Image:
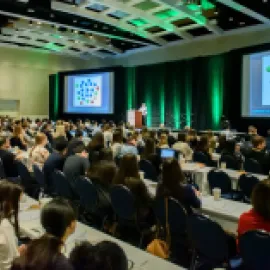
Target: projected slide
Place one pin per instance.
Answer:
(88, 91)
(256, 85)
(91, 93)
(266, 81)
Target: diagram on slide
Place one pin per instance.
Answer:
(87, 91)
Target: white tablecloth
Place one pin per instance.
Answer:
(30, 225)
(224, 212)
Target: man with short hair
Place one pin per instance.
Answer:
(76, 141)
(259, 153)
(55, 161)
(76, 165)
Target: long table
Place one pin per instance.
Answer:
(200, 175)
(225, 212)
(30, 226)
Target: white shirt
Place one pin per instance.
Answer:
(8, 245)
(184, 149)
(143, 109)
(108, 137)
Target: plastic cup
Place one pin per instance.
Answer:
(216, 193)
(141, 175)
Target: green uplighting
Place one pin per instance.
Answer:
(168, 13)
(51, 46)
(176, 105)
(162, 102)
(131, 87)
(206, 5)
(188, 101)
(56, 36)
(216, 73)
(138, 22)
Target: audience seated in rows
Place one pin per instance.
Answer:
(74, 142)
(96, 145)
(18, 140)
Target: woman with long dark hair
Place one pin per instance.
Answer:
(95, 146)
(10, 195)
(59, 222)
(173, 185)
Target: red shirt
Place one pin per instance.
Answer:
(252, 221)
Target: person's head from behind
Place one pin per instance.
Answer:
(260, 199)
(81, 151)
(41, 139)
(4, 143)
(106, 154)
(10, 195)
(105, 255)
(58, 219)
(60, 145)
(97, 141)
(79, 134)
(117, 137)
(172, 174)
(17, 131)
(182, 137)
(203, 144)
(149, 148)
(128, 168)
(258, 142)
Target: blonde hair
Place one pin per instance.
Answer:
(17, 131)
(40, 137)
(60, 131)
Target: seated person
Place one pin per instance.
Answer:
(59, 222)
(173, 185)
(76, 165)
(96, 145)
(183, 147)
(39, 154)
(203, 147)
(258, 218)
(258, 153)
(221, 143)
(163, 141)
(73, 143)
(104, 255)
(17, 140)
(108, 135)
(47, 131)
(230, 151)
(8, 159)
(117, 143)
(149, 153)
(55, 161)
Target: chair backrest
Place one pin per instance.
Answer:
(87, 192)
(219, 179)
(253, 166)
(177, 216)
(2, 170)
(246, 183)
(231, 163)
(123, 202)
(39, 175)
(148, 169)
(208, 238)
(254, 248)
(61, 185)
(24, 174)
(200, 157)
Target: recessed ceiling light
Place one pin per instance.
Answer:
(242, 23)
(75, 31)
(90, 36)
(75, 21)
(231, 19)
(265, 1)
(52, 16)
(76, 41)
(30, 10)
(39, 23)
(216, 12)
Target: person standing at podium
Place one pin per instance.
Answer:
(143, 110)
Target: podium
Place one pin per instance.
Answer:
(134, 117)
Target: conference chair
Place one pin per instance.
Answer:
(231, 162)
(200, 157)
(89, 202)
(148, 169)
(246, 183)
(254, 249)
(30, 185)
(219, 179)
(252, 166)
(177, 221)
(210, 248)
(39, 176)
(127, 220)
(2, 170)
(61, 185)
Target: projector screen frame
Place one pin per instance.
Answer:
(118, 87)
